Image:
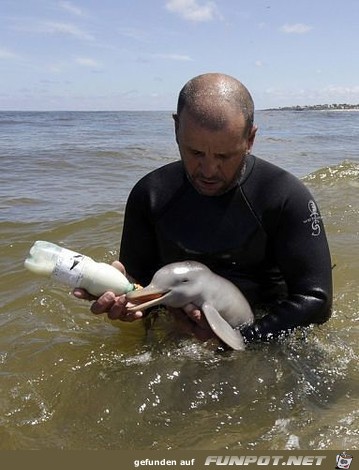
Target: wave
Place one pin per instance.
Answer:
(276, 139)
(346, 172)
(12, 201)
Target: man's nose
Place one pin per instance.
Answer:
(209, 166)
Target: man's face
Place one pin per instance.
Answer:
(213, 159)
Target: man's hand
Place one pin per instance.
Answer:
(192, 321)
(114, 305)
(189, 319)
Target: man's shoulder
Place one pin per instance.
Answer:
(269, 189)
(264, 168)
(271, 175)
(171, 170)
(160, 184)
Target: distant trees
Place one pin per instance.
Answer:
(319, 107)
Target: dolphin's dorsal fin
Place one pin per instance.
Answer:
(222, 328)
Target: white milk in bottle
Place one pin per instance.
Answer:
(76, 270)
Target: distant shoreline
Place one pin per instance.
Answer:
(318, 107)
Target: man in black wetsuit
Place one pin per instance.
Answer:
(246, 219)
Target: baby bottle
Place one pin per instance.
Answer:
(76, 270)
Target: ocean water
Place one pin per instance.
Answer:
(72, 380)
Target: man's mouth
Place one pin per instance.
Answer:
(208, 185)
(204, 181)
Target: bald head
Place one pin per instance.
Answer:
(213, 97)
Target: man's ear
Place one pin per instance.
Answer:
(251, 137)
(176, 120)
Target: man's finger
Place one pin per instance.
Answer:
(118, 265)
(103, 303)
(83, 294)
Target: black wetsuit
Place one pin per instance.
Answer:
(265, 235)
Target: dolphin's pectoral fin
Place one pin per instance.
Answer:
(222, 328)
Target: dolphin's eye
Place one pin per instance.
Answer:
(185, 280)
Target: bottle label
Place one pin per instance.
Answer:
(69, 268)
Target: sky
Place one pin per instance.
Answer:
(137, 54)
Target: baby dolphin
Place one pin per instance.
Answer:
(189, 282)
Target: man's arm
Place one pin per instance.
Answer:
(302, 253)
(137, 258)
(139, 251)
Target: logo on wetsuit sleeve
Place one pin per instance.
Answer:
(314, 218)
